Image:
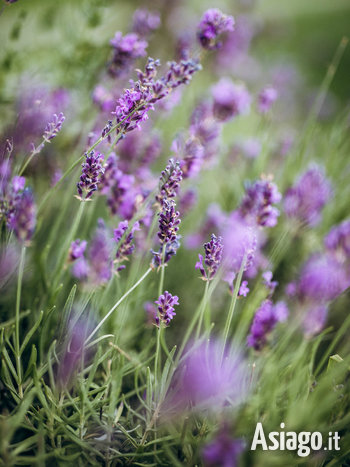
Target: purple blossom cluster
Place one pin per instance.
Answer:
(257, 204)
(166, 303)
(133, 106)
(77, 249)
(53, 127)
(212, 25)
(265, 320)
(337, 242)
(230, 100)
(124, 240)
(90, 178)
(305, 200)
(266, 99)
(223, 450)
(169, 181)
(126, 49)
(144, 22)
(213, 256)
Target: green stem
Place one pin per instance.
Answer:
(202, 309)
(233, 304)
(68, 241)
(157, 357)
(18, 304)
(117, 304)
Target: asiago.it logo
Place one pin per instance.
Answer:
(302, 442)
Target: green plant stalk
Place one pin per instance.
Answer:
(202, 309)
(18, 304)
(117, 304)
(69, 238)
(233, 304)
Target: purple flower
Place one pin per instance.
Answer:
(337, 241)
(125, 246)
(166, 303)
(81, 269)
(212, 25)
(267, 97)
(308, 196)
(268, 282)
(169, 181)
(144, 22)
(230, 100)
(244, 289)
(169, 221)
(265, 320)
(77, 249)
(256, 205)
(18, 183)
(53, 127)
(75, 355)
(126, 50)
(240, 242)
(103, 98)
(322, 279)
(314, 319)
(207, 381)
(223, 450)
(188, 200)
(91, 175)
(22, 218)
(100, 257)
(251, 148)
(213, 255)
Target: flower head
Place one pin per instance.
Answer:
(91, 175)
(169, 221)
(125, 246)
(265, 320)
(77, 249)
(212, 25)
(305, 200)
(144, 22)
(337, 241)
(126, 49)
(244, 289)
(266, 98)
(53, 127)
(166, 303)
(213, 255)
(223, 450)
(257, 204)
(230, 100)
(100, 256)
(22, 216)
(169, 181)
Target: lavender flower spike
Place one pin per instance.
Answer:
(223, 450)
(213, 256)
(22, 218)
(53, 127)
(91, 173)
(168, 223)
(166, 303)
(125, 51)
(230, 100)
(169, 181)
(77, 249)
(212, 25)
(266, 99)
(126, 247)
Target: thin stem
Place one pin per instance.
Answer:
(233, 304)
(157, 356)
(117, 304)
(68, 240)
(18, 304)
(33, 153)
(202, 309)
(162, 271)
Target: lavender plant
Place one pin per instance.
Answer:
(100, 363)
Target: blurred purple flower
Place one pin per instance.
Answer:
(244, 289)
(223, 450)
(212, 25)
(100, 256)
(169, 181)
(265, 319)
(22, 217)
(322, 279)
(77, 249)
(308, 196)
(266, 98)
(269, 283)
(103, 98)
(240, 242)
(256, 205)
(337, 241)
(230, 100)
(144, 22)
(205, 380)
(75, 355)
(314, 319)
(166, 303)
(81, 269)
(126, 49)
(188, 200)
(125, 247)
